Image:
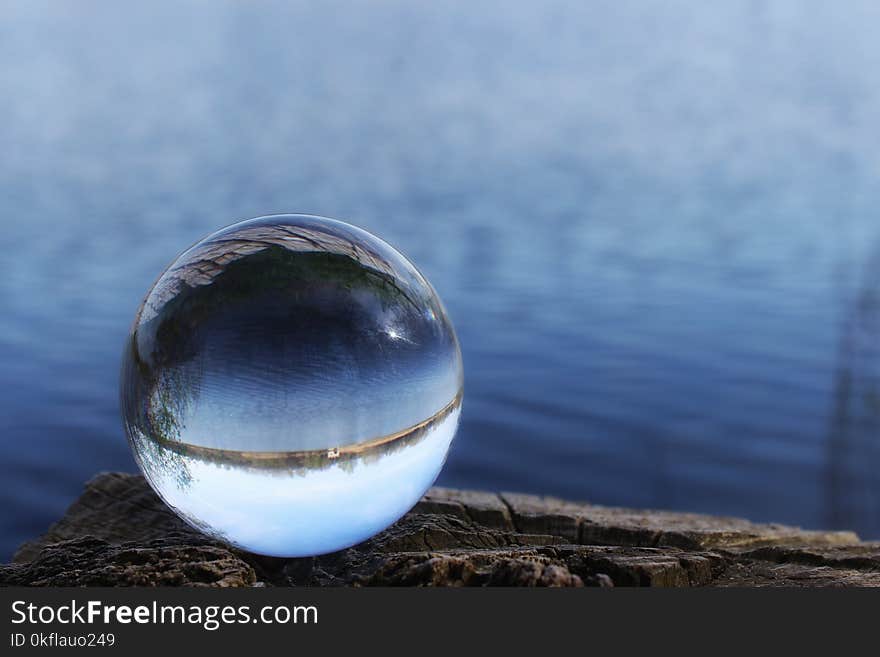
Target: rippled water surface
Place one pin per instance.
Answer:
(654, 225)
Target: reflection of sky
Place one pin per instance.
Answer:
(321, 511)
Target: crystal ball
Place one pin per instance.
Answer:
(291, 385)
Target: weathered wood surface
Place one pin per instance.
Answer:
(119, 533)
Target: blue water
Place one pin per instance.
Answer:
(655, 226)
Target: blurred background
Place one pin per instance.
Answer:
(654, 224)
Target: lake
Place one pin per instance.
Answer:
(654, 225)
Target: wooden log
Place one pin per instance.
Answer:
(120, 533)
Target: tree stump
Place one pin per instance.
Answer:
(119, 533)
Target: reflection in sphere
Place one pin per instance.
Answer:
(291, 385)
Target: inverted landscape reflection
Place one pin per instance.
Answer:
(291, 385)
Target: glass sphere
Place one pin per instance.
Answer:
(291, 385)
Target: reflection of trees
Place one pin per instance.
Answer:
(854, 432)
(251, 267)
(300, 234)
(153, 404)
(159, 462)
(155, 396)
